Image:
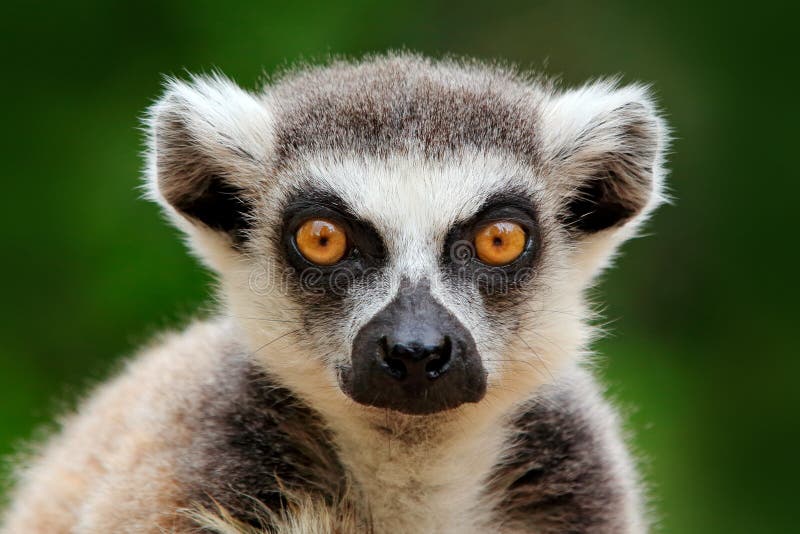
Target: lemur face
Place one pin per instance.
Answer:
(408, 235)
(409, 275)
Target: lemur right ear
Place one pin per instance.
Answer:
(604, 146)
(208, 142)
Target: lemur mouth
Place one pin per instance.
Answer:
(414, 357)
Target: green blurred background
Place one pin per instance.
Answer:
(704, 312)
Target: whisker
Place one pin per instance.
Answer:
(265, 345)
(544, 362)
(265, 319)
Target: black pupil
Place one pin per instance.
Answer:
(323, 241)
(497, 241)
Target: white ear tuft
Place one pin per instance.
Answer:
(209, 141)
(605, 147)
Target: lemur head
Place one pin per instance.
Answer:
(408, 234)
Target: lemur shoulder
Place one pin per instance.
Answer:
(403, 248)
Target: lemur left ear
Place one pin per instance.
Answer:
(208, 142)
(604, 145)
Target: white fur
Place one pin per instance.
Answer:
(413, 201)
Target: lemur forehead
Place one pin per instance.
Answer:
(409, 194)
(402, 104)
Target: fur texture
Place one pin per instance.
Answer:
(241, 424)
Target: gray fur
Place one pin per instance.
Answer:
(559, 474)
(245, 417)
(402, 103)
(256, 442)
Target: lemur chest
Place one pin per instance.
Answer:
(413, 505)
(422, 487)
(262, 445)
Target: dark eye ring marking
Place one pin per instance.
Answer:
(364, 249)
(462, 260)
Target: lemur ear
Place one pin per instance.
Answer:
(605, 147)
(208, 142)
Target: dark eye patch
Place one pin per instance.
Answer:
(366, 248)
(459, 258)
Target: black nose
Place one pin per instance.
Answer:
(414, 360)
(414, 356)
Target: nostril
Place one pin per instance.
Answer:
(439, 361)
(414, 360)
(394, 367)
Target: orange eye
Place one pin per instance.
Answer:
(321, 241)
(500, 243)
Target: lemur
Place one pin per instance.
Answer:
(403, 247)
